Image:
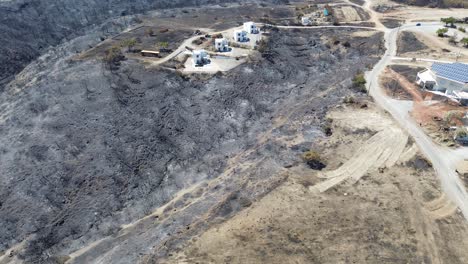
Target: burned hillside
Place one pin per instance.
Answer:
(87, 149)
(31, 28)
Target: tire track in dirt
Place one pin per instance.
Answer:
(383, 149)
(441, 207)
(408, 154)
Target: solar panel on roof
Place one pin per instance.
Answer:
(453, 71)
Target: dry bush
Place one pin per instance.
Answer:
(113, 56)
(453, 116)
(313, 159)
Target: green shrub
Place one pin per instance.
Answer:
(449, 20)
(359, 83)
(163, 44)
(441, 32)
(462, 29)
(464, 41)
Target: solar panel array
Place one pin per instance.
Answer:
(453, 71)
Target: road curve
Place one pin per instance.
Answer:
(175, 53)
(443, 159)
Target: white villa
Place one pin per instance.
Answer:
(240, 36)
(221, 44)
(448, 79)
(200, 57)
(250, 28)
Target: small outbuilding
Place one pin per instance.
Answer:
(240, 36)
(250, 28)
(221, 44)
(150, 53)
(200, 57)
(306, 21)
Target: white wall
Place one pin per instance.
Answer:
(450, 85)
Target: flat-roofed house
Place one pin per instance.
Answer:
(250, 28)
(200, 57)
(240, 36)
(221, 44)
(451, 79)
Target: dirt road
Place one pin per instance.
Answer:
(421, 59)
(317, 27)
(178, 51)
(444, 160)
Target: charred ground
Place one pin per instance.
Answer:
(87, 149)
(30, 28)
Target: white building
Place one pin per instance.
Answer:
(221, 44)
(240, 36)
(250, 28)
(306, 21)
(200, 57)
(449, 79)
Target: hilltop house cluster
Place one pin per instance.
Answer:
(241, 35)
(446, 79)
(201, 57)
